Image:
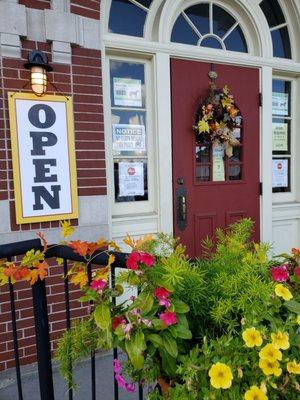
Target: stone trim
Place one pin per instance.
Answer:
(58, 26)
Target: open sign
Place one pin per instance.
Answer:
(44, 165)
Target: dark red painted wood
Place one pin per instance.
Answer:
(211, 205)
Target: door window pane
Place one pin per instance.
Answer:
(198, 26)
(129, 130)
(199, 15)
(236, 41)
(222, 21)
(183, 33)
(281, 135)
(211, 42)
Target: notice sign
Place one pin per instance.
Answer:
(280, 136)
(218, 162)
(131, 179)
(129, 137)
(43, 151)
(280, 103)
(280, 173)
(127, 92)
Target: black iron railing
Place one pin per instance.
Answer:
(40, 311)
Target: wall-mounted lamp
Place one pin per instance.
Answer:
(38, 65)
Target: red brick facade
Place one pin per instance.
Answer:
(83, 81)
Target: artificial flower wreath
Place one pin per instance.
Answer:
(216, 119)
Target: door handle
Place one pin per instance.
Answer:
(181, 208)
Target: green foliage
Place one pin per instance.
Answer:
(75, 344)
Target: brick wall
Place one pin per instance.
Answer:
(83, 81)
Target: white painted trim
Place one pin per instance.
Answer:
(266, 155)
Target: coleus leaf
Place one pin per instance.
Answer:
(135, 348)
(102, 316)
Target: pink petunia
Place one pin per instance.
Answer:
(147, 259)
(117, 366)
(130, 387)
(121, 381)
(132, 261)
(164, 302)
(98, 284)
(279, 273)
(297, 271)
(168, 318)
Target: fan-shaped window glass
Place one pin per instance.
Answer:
(278, 28)
(211, 26)
(128, 17)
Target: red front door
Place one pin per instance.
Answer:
(204, 199)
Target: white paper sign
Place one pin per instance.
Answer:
(280, 103)
(280, 173)
(43, 158)
(131, 179)
(218, 162)
(129, 137)
(280, 136)
(127, 92)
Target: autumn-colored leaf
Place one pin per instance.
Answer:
(203, 126)
(140, 242)
(43, 240)
(129, 241)
(32, 258)
(102, 273)
(15, 273)
(92, 247)
(111, 259)
(59, 261)
(79, 247)
(114, 246)
(3, 277)
(80, 278)
(102, 243)
(66, 229)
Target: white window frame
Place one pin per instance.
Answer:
(125, 209)
(287, 197)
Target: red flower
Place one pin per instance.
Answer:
(280, 273)
(98, 284)
(147, 259)
(118, 320)
(161, 293)
(168, 318)
(132, 261)
(297, 271)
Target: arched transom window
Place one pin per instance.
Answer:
(208, 25)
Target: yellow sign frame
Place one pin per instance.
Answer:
(20, 218)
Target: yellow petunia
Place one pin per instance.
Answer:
(298, 319)
(270, 353)
(66, 229)
(220, 376)
(252, 337)
(293, 367)
(280, 340)
(282, 291)
(270, 367)
(254, 393)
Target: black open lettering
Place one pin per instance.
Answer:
(40, 140)
(40, 192)
(34, 116)
(41, 170)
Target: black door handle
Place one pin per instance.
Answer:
(181, 208)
